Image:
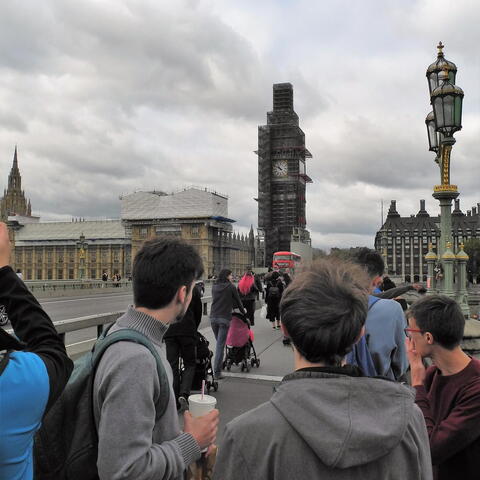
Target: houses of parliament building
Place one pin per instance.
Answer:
(86, 249)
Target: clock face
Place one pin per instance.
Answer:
(280, 168)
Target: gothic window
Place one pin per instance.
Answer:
(71, 274)
(39, 274)
(60, 274)
(49, 274)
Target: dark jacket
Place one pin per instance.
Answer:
(328, 425)
(188, 325)
(394, 292)
(251, 295)
(274, 283)
(32, 380)
(224, 299)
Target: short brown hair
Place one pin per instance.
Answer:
(324, 310)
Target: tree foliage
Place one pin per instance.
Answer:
(344, 253)
(472, 249)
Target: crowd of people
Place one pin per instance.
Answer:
(345, 411)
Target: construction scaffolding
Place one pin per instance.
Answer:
(282, 176)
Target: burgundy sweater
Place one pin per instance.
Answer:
(451, 407)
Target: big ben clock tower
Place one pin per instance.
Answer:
(282, 176)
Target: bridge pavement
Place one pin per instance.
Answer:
(242, 391)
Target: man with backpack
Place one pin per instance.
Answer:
(273, 296)
(133, 443)
(384, 338)
(34, 369)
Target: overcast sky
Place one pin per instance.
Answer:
(105, 97)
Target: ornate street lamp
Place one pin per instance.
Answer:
(441, 64)
(82, 246)
(445, 119)
(447, 101)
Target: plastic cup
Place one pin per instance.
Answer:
(199, 406)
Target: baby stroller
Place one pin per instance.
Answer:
(203, 370)
(239, 347)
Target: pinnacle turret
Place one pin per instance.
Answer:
(14, 201)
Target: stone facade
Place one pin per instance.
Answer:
(85, 249)
(70, 250)
(14, 201)
(403, 241)
(195, 215)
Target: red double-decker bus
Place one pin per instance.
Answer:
(286, 261)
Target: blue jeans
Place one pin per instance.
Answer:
(220, 329)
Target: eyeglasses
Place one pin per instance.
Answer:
(410, 330)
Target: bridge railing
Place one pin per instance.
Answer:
(69, 325)
(99, 320)
(60, 286)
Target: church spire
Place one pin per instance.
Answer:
(15, 179)
(14, 201)
(15, 160)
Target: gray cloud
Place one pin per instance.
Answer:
(107, 97)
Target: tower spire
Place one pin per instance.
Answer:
(15, 159)
(14, 201)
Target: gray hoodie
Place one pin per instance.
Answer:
(328, 426)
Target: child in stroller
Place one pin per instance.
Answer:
(239, 347)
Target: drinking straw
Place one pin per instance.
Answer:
(203, 388)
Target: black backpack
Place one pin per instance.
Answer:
(66, 446)
(273, 291)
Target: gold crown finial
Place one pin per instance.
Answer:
(440, 47)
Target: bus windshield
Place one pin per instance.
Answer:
(283, 257)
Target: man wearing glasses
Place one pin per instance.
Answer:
(448, 393)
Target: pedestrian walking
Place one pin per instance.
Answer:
(224, 299)
(248, 295)
(273, 296)
(385, 337)
(180, 340)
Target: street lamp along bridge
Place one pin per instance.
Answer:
(446, 269)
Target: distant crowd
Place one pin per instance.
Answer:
(378, 389)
